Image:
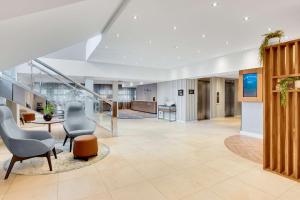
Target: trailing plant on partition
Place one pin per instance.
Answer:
(277, 34)
(284, 86)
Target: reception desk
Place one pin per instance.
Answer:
(144, 106)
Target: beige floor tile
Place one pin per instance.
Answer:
(81, 187)
(140, 191)
(32, 182)
(229, 166)
(117, 178)
(291, 194)
(176, 186)
(233, 189)
(85, 171)
(111, 162)
(99, 196)
(202, 195)
(180, 164)
(268, 182)
(45, 192)
(5, 184)
(139, 157)
(154, 169)
(206, 176)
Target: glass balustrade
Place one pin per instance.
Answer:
(59, 89)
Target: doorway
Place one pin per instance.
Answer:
(203, 99)
(229, 98)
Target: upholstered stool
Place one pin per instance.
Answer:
(85, 146)
(28, 117)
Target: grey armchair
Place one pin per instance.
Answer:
(24, 144)
(76, 122)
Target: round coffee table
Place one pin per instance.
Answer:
(52, 121)
(49, 123)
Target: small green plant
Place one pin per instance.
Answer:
(49, 109)
(277, 34)
(284, 87)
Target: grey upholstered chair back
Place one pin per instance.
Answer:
(20, 142)
(75, 117)
(9, 130)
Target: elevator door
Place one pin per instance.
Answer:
(229, 98)
(203, 100)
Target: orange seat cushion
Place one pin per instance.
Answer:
(28, 117)
(85, 146)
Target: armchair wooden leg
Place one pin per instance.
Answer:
(11, 164)
(71, 143)
(48, 155)
(65, 140)
(54, 153)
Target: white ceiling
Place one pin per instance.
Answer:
(193, 18)
(15, 8)
(39, 33)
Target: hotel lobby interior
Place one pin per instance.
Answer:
(149, 100)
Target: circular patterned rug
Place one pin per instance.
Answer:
(246, 147)
(64, 162)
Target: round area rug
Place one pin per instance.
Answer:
(246, 147)
(64, 162)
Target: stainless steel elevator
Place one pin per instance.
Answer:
(203, 99)
(229, 98)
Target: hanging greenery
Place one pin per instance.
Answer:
(277, 34)
(284, 87)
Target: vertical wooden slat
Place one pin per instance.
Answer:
(279, 61)
(288, 136)
(272, 133)
(266, 138)
(297, 58)
(275, 61)
(280, 142)
(282, 60)
(287, 60)
(297, 137)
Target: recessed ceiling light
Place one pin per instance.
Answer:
(198, 51)
(269, 29)
(203, 36)
(117, 35)
(246, 18)
(176, 47)
(135, 17)
(106, 47)
(174, 28)
(214, 4)
(227, 43)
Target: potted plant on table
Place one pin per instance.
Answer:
(48, 112)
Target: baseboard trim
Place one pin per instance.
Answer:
(251, 134)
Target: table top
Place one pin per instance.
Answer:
(52, 121)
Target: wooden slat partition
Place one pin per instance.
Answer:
(282, 124)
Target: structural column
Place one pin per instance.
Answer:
(89, 103)
(115, 90)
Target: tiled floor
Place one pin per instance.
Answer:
(159, 160)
